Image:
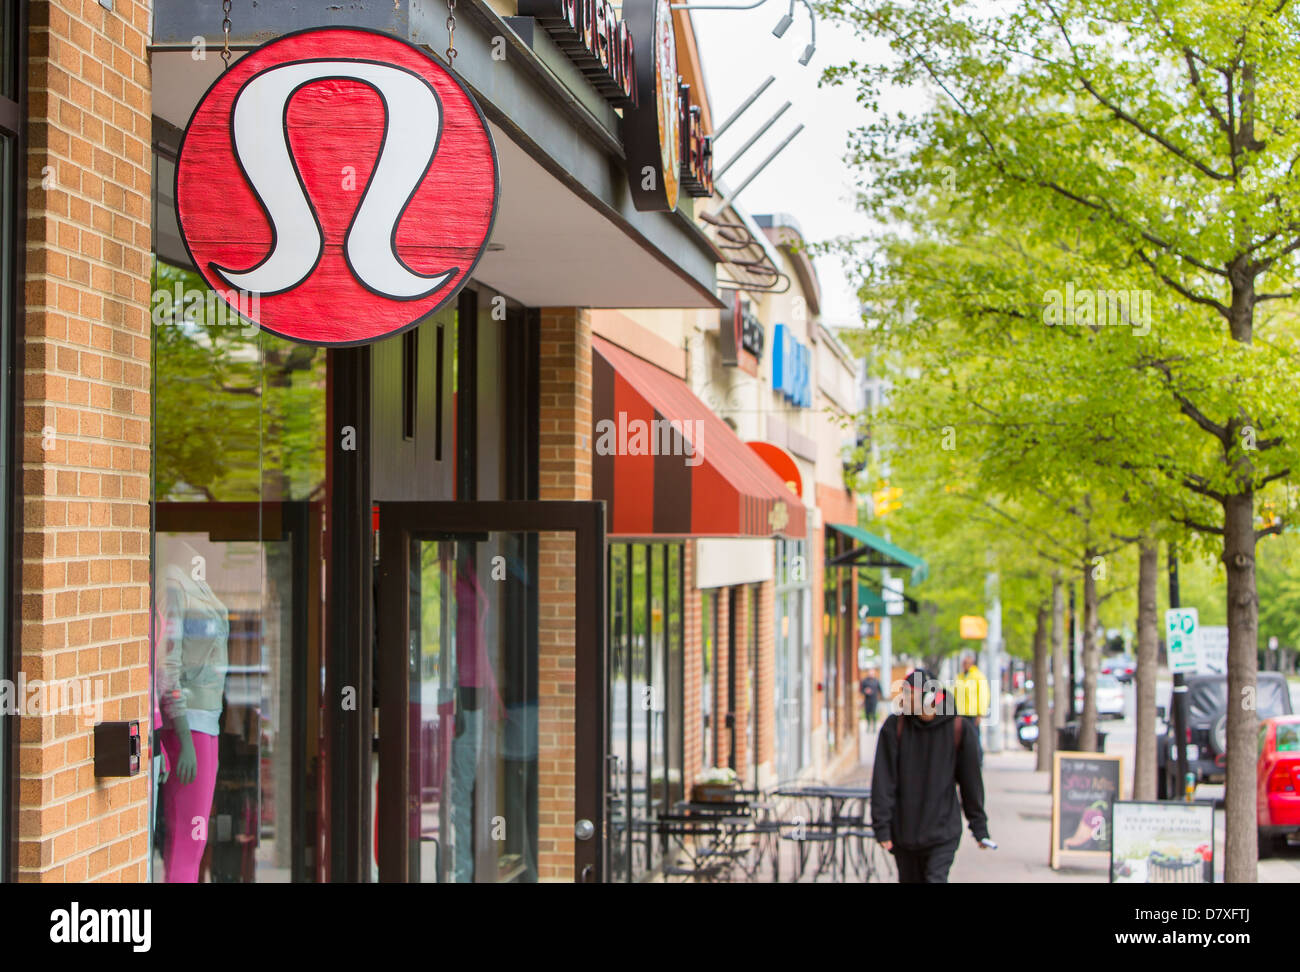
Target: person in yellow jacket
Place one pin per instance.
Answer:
(972, 692)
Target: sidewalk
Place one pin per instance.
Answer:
(1019, 807)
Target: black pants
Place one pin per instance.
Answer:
(925, 865)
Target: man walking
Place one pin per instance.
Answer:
(870, 689)
(972, 690)
(923, 756)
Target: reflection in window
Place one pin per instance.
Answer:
(239, 479)
(708, 645)
(646, 670)
(791, 680)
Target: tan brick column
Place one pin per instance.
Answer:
(766, 677)
(740, 661)
(86, 437)
(564, 458)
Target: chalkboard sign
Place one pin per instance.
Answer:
(1085, 787)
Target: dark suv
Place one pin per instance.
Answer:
(1207, 717)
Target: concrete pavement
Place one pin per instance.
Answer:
(1018, 801)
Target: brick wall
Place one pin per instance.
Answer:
(86, 437)
(740, 661)
(765, 676)
(564, 460)
(766, 682)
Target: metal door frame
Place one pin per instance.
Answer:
(402, 522)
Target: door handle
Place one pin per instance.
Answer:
(585, 876)
(584, 829)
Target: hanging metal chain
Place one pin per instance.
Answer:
(451, 31)
(225, 29)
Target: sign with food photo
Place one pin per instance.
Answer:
(1162, 843)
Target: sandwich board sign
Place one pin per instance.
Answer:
(1084, 788)
(1181, 640)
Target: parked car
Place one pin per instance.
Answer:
(1121, 666)
(1026, 720)
(1278, 776)
(1207, 724)
(1110, 697)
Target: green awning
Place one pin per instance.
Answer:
(872, 601)
(874, 551)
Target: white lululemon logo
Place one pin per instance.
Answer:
(413, 124)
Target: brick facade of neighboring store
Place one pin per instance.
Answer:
(85, 446)
(564, 465)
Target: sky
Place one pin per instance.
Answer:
(809, 179)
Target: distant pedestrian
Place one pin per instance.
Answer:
(870, 689)
(972, 691)
(923, 756)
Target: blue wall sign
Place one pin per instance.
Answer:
(791, 368)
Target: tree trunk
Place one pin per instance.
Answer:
(1060, 665)
(1144, 763)
(1243, 617)
(1041, 697)
(1088, 719)
(1060, 671)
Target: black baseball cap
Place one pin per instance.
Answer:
(919, 678)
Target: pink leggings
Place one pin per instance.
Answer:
(187, 807)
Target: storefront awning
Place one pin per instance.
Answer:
(668, 466)
(874, 602)
(872, 551)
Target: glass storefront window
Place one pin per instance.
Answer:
(674, 726)
(708, 650)
(751, 687)
(474, 711)
(655, 691)
(239, 480)
(792, 684)
(833, 634)
(639, 703)
(620, 835)
(645, 704)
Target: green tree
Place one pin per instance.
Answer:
(1165, 134)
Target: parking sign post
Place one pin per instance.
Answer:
(1180, 648)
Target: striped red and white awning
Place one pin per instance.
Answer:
(666, 465)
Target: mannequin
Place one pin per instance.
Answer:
(191, 675)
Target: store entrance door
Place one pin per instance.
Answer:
(491, 689)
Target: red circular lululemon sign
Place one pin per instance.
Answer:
(336, 186)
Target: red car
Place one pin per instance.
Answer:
(1278, 782)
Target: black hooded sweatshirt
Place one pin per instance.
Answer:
(915, 779)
